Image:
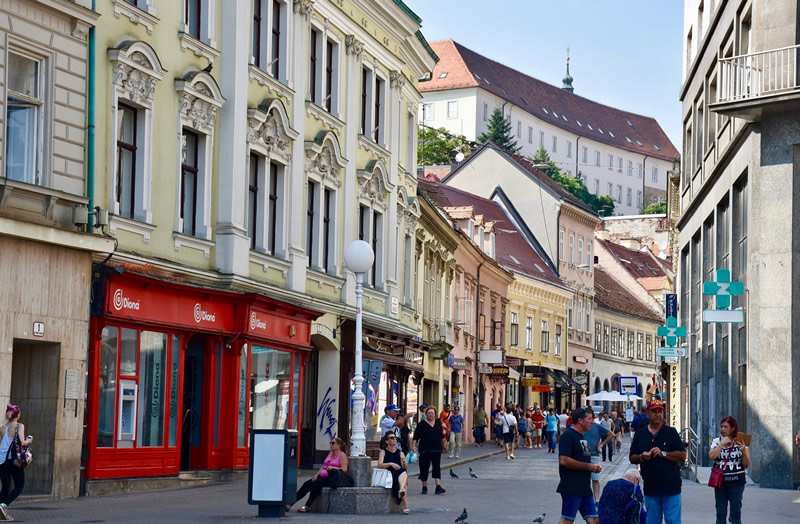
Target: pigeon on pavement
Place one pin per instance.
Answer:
(463, 517)
(453, 475)
(472, 474)
(540, 518)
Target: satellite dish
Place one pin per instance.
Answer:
(459, 156)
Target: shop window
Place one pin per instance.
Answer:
(152, 360)
(108, 387)
(271, 388)
(241, 438)
(174, 376)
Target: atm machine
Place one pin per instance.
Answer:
(126, 430)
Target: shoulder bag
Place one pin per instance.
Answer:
(381, 478)
(715, 480)
(21, 455)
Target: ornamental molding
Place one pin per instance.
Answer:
(396, 79)
(268, 129)
(198, 101)
(354, 46)
(303, 7)
(373, 183)
(135, 71)
(324, 159)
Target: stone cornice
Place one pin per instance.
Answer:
(575, 213)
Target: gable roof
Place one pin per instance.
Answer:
(512, 251)
(615, 127)
(610, 294)
(640, 264)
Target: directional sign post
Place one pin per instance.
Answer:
(671, 351)
(722, 288)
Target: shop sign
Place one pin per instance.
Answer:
(581, 378)
(513, 362)
(413, 355)
(527, 381)
(674, 395)
(267, 325)
(484, 369)
(500, 371)
(459, 363)
(581, 360)
(490, 356)
(450, 359)
(541, 389)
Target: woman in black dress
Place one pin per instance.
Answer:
(394, 460)
(428, 443)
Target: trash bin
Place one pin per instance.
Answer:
(273, 470)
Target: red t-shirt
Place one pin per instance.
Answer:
(537, 418)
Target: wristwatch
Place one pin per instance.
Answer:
(663, 453)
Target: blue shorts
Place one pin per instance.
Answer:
(508, 438)
(570, 504)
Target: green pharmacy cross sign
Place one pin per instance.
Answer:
(671, 331)
(722, 288)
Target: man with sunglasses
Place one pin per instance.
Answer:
(659, 450)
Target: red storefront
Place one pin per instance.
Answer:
(178, 374)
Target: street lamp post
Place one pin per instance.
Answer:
(358, 257)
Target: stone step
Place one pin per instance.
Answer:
(356, 501)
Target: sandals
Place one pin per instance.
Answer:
(303, 509)
(406, 511)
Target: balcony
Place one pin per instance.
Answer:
(752, 83)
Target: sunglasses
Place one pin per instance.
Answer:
(332, 443)
(391, 438)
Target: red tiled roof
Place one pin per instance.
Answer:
(466, 68)
(610, 294)
(512, 251)
(639, 264)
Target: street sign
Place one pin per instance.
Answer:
(671, 352)
(484, 369)
(672, 305)
(672, 360)
(628, 385)
(722, 288)
(672, 331)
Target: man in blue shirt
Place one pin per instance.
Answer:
(597, 437)
(456, 427)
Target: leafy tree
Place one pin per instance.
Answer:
(656, 208)
(434, 146)
(603, 205)
(499, 132)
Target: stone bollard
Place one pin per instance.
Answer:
(360, 468)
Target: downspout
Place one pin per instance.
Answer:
(90, 127)
(477, 335)
(644, 177)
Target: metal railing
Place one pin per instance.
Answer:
(693, 447)
(758, 74)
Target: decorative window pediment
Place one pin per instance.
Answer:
(373, 183)
(324, 157)
(200, 97)
(269, 130)
(135, 72)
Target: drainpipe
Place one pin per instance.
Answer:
(644, 177)
(477, 327)
(90, 128)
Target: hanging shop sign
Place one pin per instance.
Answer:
(527, 381)
(413, 355)
(484, 369)
(491, 356)
(541, 389)
(513, 362)
(500, 371)
(459, 363)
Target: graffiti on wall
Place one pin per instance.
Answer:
(326, 414)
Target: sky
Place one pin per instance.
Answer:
(623, 53)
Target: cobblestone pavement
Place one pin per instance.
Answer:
(506, 491)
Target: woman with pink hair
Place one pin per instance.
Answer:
(8, 470)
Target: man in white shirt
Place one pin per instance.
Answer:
(509, 433)
(562, 424)
(391, 422)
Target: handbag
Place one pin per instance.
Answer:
(412, 457)
(21, 455)
(381, 478)
(339, 479)
(715, 480)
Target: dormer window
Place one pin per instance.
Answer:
(490, 245)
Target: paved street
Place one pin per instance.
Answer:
(506, 491)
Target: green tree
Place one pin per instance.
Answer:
(656, 208)
(499, 132)
(434, 146)
(603, 205)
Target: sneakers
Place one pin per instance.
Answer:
(449, 456)
(513, 457)
(406, 511)
(508, 458)
(439, 490)
(4, 513)
(424, 490)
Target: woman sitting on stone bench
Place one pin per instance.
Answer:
(328, 476)
(394, 460)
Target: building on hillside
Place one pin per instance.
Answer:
(618, 153)
(246, 146)
(45, 246)
(563, 225)
(645, 275)
(626, 338)
(739, 203)
(479, 375)
(638, 231)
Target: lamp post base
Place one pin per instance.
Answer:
(360, 468)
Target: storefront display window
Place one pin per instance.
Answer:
(108, 387)
(296, 386)
(175, 359)
(242, 434)
(152, 360)
(127, 360)
(270, 386)
(217, 395)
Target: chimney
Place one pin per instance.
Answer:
(602, 234)
(631, 243)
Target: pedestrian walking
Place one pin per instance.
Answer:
(659, 451)
(509, 423)
(444, 417)
(456, 432)
(480, 427)
(551, 428)
(498, 424)
(597, 436)
(619, 430)
(732, 456)
(524, 431)
(391, 458)
(12, 430)
(636, 422)
(575, 468)
(325, 478)
(428, 443)
(608, 449)
(562, 424)
(538, 421)
(622, 501)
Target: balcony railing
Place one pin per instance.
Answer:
(759, 74)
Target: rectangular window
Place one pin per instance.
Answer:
(555, 144)
(628, 197)
(588, 316)
(619, 194)
(639, 170)
(174, 380)
(597, 158)
(106, 422)
(427, 111)
(610, 190)
(611, 162)
(485, 112)
(541, 138)
(271, 380)
(379, 124)
(189, 182)
(331, 76)
(619, 165)
(529, 333)
(569, 149)
(275, 52)
(312, 65)
(24, 106)
(596, 186)
(580, 251)
(545, 347)
(571, 248)
(655, 175)
(127, 137)
(569, 314)
(639, 199)
(639, 345)
(152, 363)
(452, 109)
(311, 208)
(561, 244)
(589, 259)
(241, 435)
(365, 84)
(631, 342)
(585, 157)
(630, 168)
(256, 44)
(598, 339)
(327, 229)
(649, 347)
(613, 341)
(376, 234)
(193, 15)
(557, 341)
(579, 316)
(606, 338)
(530, 135)
(274, 203)
(514, 330)
(519, 129)
(253, 198)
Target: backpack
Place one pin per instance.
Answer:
(633, 511)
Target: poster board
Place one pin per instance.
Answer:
(267, 469)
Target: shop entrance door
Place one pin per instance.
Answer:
(194, 420)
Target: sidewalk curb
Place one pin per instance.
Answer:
(464, 461)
